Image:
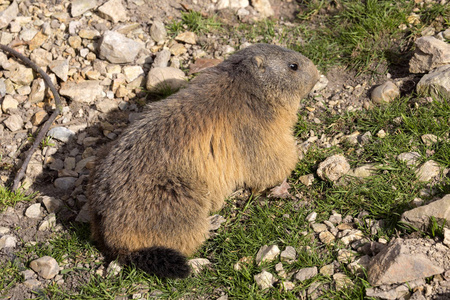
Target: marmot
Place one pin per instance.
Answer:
(232, 127)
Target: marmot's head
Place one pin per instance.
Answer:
(274, 73)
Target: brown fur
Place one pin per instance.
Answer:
(232, 127)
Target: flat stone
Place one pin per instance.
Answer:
(162, 59)
(341, 281)
(113, 10)
(311, 217)
(436, 83)
(8, 241)
(446, 237)
(89, 34)
(289, 254)
(264, 280)
(13, 123)
(9, 14)
(420, 216)
(39, 117)
(132, 72)
(165, 78)
(307, 179)
(215, 221)
(326, 237)
(429, 139)
(62, 134)
(430, 53)
(9, 103)
(354, 235)
(65, 183)
(363, 171)
(178, 49)
(306, 273)
(327, 270)
(428, 171)
(187, 37)
(32, 283)
(263, 7)
(267, 254)
(319, 227)
(33, 211)
(46, 266)
(84, 215)
(385, 93)
(198, 264)
(21, 75)
(52, 205)
(106, 105)
(410, 158)
(117, 48)
(60, 68)
(395, 264)
(79, 7)
(333, 168)
(49, 222)
(158, 31)
(85, 91)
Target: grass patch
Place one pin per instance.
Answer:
(194, 21)
(9, 198)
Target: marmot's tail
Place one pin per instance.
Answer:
(160, 261)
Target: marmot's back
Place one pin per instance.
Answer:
(230, 128)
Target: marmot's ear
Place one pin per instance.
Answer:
(258, 61)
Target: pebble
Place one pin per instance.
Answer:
(8, 241)
(311, 217)
(13, 122)
(410, 158)
(162, 59)
(158, 31)
(60, 68)
(65, 183)
(114, 11)
(62, 134)
(436, 83)
(333, 168)
(117, 48)
(85, 91)
(187, 37)
(428, 171)
(306, 273)
(267, 254)
(114, 268)
(198, 264)
(79, 7)
(264, 280)
(384, 93)
(33, 211)
(289, 254)
(9, 103)
(46, 267)
(165, 77)
(9, 14)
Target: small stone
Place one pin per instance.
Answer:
(333, 168)
(84, 215)
(420, 216)
(37, 91)
(132, 72)
(165, 78)
(198, 264)
(32, 283)
(8, 241)
(114, 11)
(9, 14)
(215, 221)
(158, 31)
(178, 49)
(381, 134)
(446, 237)
(65, 183)
(49, 222)
(74, 41)
(28, 274)
(264, 280)
(307, 179)
(79, 7)
(410, 158)
(162, 59)
(243, 261)
(430, 53)
(386, 92)
(288, 285)
(187, 37)
(46, 266)
(354, 235)
(311, 217)
(263, 7)
(106, 105)
(342, 281)
(62, 134)
(363, 171)
(321, 84)
(21, 75)
(359, 266)
(114, 268)
(117, 48)
(306, 273)
(428, 171)
(326, 237)
(88, 34)
(345, 255)
(33, 211)
(319, 227)
(84, 91)
(39, 117)
(267, 254)
(327, 270)
(289, 254)
(429, 139)
(52, 205)
(9, 103)
(436, 83)
(13, 123)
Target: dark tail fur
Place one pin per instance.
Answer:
(160, 261)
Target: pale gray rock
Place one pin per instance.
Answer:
(13, 122)
(85, 91)
(410, 158)
(318, 227)
(9, 103)
(384, 93)
(167, 77)
(132, 72)
(398, 292)
(21, 74)
(335, 218)
(363, 171)
(32, 284)
(333, 168)
(158, 31)
(359, 266)
(430, 53)
(264, 280)
(187, 37)
(46, 266)
(37, 93)
(117, 48)
(62, 134)
(311, 217)
(289, 254)
(327, 270)
(60, 68)
(8, 241)
(267, 254)
(420, 216)
(41, 57)
(4, 230)
(114, 268)
(428, 171)
(288, 285)
(215, 221)
(436, 83)
(263, 7)
(395, 264)
(198, 264)
(113, 10)
(79, 7)
(321, 84)
(28, 34)
(326, 237)
(82, 163)
(342, 281)
(28, 274)
(162, 59)
(446, 237)
(429, 139)
(9, 14)
(33, 211)
(306, 273)
(307, 179)
(49, 222)
(353, 235)
(106, 105)
(221, 4)
(65, 183)
(51, 204)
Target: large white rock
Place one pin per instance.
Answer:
(117, 48)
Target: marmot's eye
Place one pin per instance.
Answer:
(293, 67)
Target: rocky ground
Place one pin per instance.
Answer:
(106, 55)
